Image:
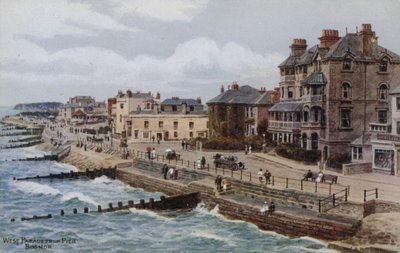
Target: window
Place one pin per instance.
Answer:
(148, 106)
(191, 125)
(191, 108)
(120, 118)
(174, 108)
(283, 92)
(398, 103)
(191, 134)
(175, 125)
(382, 117)
(347, 65)
(345, 118)
(357, 153)
(136, 134)
(304, 69)
(121, 106)
(176, 134)
(382, 92)
(346, 91)
(290, 94)
(146, 124)
(314, 141)
(160, 124)
(145, 135)
(383, 65)
(398, 127)
(305, 114)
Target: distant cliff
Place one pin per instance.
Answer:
(44, 106)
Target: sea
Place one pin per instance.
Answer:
(199, 230)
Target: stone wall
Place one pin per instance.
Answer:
(324, 227)
(357, 168)
(380, 206)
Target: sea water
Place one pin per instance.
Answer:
(133, 230)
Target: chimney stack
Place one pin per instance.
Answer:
(222, 88)
(262, 90)
(328, 38)
(158, 96)
(198, 100)
(235, 86)
(129, 93)
(184, 108)
(368, 40)
(298, 47)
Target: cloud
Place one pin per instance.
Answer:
(171, 10)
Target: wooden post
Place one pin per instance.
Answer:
(334, 199)
(301, 184)
(365, 195)
(162, 198)
(316, 187)
(151, 203)
(130, 203)
(142, 204)
(273, 180)
(241, 174)
(376, 193)
(345, 195)
(287, 182)
(119, 205)
(319, 205)
(62, 212)
(330, 188)
(250, 177)
(348, 190)
(110, 206)
(75, 211)
(208, 167)
(86, 210)
(99, 208)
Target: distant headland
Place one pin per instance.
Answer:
(42, 106)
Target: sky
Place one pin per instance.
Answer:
(51, 50)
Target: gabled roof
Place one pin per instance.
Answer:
(289, 62)
(243, 95)
(315, 79)
(179, 101)
(79, 113)
(308, 56)
(350, 43)
(287, 107)
(265, 98)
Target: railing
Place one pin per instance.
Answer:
(287, 78)
(335, 199)
(284, 124)
(275, 181)
(388, 137)
(378, 127)
(372, 192)
(312, 124)
(312, 98)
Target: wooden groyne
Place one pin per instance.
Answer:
(182, 202)
(22, 145)
(109, 172)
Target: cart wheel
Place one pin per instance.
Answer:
(234, 167)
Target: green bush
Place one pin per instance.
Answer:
(295, 152)
(336, 161)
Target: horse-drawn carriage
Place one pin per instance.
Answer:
(228, 162)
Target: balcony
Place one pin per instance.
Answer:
(286, 125)
(313, 124)
(379, 127)
(312, 98)
(388, 137)
(287, 78)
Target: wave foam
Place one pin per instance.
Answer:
(102, 180)
(78, 195)
(211, 236)
(36, 188)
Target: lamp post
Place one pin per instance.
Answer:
(264, 145)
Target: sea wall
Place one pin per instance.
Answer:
(327, 227)
(357, 168)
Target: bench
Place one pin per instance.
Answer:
(325, 178)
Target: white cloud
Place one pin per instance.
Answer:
(171, 10)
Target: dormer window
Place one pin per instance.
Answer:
(383, 65)
(346, 65)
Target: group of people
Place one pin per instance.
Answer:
(264, 175)
(169, 172)
(267, 209)
(247, 149)
(221, 183)
(185, 145)
(310, 174)
(151, 153)
(154, 138)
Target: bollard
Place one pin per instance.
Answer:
(163, 202)
(75, 211)
(316, 187)
(287, 182)
(130, 203)
(110, 206)
(301, 184)
(119, 205)
(99, 208)
(49, 216)
(333, 199)
(86, 210)
(151, 203)
(62, 212)
(142, 204)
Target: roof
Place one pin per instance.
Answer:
(350, 44)
(289, 62)
(308, 56)
(243, 95)
(265, 98)
(395, 90)
(167, 113)
(315, 79)
(287, 107)
(79, 113)
(179, 101)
